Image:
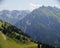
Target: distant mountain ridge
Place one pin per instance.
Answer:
(42, 25)
(13, 16)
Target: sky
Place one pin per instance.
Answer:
(26, 4)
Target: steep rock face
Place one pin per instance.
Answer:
(13, 16)
(42, 25)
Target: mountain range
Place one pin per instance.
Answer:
(13, 16)
(42, 25)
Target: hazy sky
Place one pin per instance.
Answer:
(26, 4)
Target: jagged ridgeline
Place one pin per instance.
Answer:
(12, 37)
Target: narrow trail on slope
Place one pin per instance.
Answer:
(4, 37)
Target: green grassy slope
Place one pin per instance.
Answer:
(11, 42)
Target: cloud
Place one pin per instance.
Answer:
(58, 1)
(1, 1)
(33, 6)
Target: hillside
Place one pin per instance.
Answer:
(9, 37)
(10, 43)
